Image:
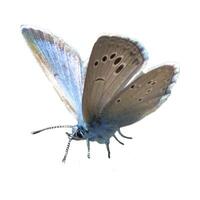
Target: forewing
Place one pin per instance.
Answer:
(141, 97)
(61, 64)
(113, 62)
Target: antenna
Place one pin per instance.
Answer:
(52, 127)
(88, 147)
(68, 145)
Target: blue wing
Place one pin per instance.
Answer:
(62, 66)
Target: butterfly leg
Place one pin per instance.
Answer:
(123, 135)
(118, 140)
(68, 134)
(108, 149)
(88, 147)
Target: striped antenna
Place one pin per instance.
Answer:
(52, 127)
(68, 145)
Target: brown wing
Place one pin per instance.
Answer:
(141, 97)
(112, 63)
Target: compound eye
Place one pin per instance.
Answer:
(79, 135)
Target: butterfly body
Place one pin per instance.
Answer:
(101, 131)
(109, 95)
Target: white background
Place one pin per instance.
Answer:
(161, 162)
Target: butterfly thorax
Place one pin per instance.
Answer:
(100, 131)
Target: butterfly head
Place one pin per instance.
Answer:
(78, 133)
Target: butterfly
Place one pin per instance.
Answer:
(111, 93)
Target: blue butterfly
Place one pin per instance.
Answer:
(106, 97)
